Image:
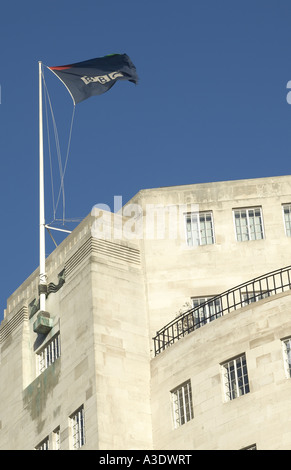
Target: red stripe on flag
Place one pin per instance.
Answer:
(61, 67)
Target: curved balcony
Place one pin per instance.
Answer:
(254, 290)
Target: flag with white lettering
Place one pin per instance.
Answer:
(95, 76)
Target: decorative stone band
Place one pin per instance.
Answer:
(115, 251)
(7, 327)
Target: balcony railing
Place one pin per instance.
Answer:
(261, 287)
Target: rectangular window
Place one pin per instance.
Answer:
(56, 439)
(49, 353)
(235, 375)
(199, 227)
(182, 404)
(248, 224)
(252, 296)
(287, 219)
(43, 445)
(78, 428)
(208, 312)
(287, 356)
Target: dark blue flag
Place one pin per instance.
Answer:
(95, 76)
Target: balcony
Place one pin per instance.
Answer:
(259, 288)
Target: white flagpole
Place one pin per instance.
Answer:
(42, 273)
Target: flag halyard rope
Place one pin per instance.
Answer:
(62, 168)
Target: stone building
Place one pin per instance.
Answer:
(167, 326)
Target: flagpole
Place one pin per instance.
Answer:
(42, 273)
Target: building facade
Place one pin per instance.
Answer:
(167, 326)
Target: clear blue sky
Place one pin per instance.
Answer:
(210, 105)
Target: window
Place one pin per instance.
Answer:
(235, 375)
(287, 356)
(199, 227)
(208, 312)
(56, 439)
(182, 404)
(43, 445)
(252, 296)
(287, 218)
(248, 224)
(49, 353)
(251, 447)
(78, 428)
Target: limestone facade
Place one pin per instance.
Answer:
(90, 378)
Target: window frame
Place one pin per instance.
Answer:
(207, 316)
(231, 378)
(77, 425)
(284, 219)
(191, 241)
(247, 209)
(251, 447)
(56, 438)
(44, 444)
(181, 398)
(250, 297)
(287, 356)
(49, 353)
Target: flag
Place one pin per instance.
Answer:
(95, 76)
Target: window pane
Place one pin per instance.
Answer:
(287, 219)
(287, 356)
(241, 225)
(56, 439)
(182, 404)
(195, 230)
(199, 228)
(44, 445)
(207, 312)
(248, 224)
(253, 296)
(78, 428)
(236, 378)
(49, 353)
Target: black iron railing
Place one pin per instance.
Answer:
(272, 283)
